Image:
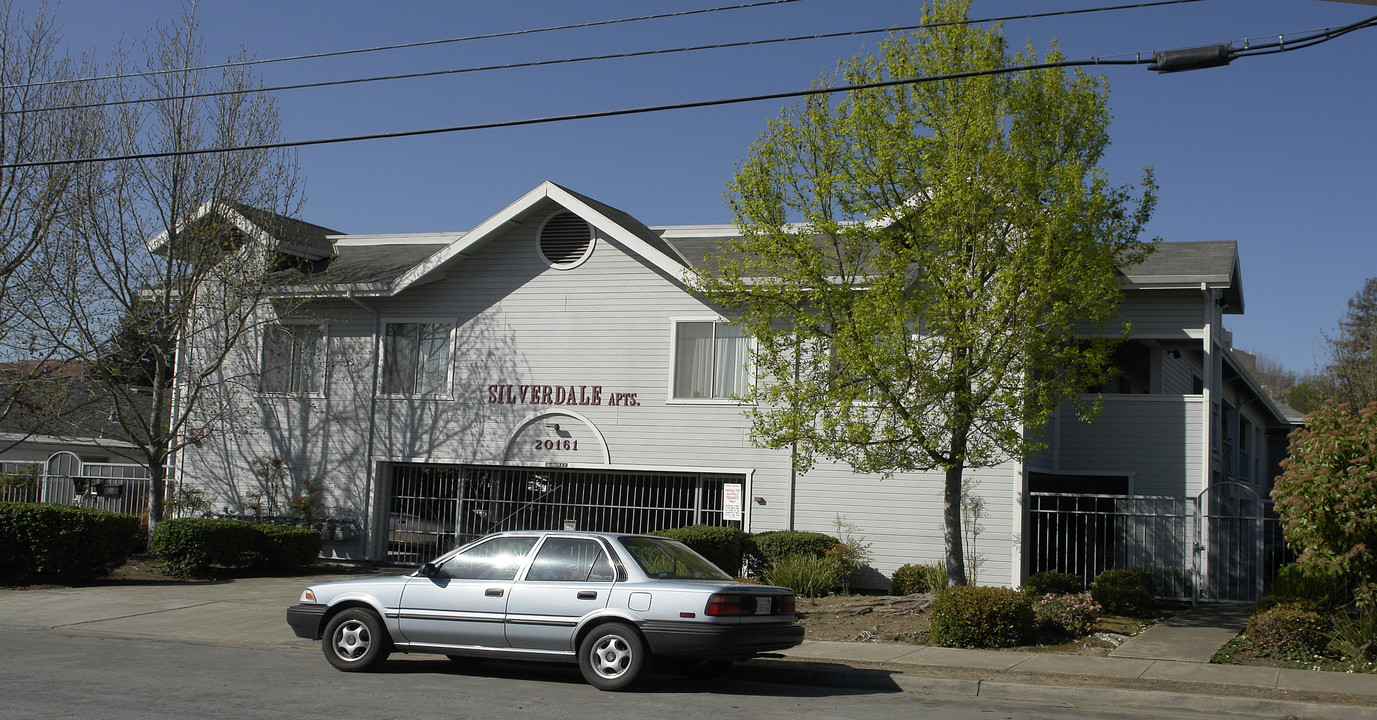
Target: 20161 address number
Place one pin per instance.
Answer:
(557, 444)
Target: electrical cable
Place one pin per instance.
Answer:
(401, 46)
(1026, 16)
(1309, 41)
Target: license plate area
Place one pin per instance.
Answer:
(762, 606)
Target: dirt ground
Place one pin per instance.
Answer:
(904, 619)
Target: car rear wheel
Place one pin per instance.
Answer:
(613, 657)
(355, 641)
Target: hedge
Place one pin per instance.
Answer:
(721, 545)
(45, 542)
(1125, 591)
(193, 546)
(761, 550)
(981, 617)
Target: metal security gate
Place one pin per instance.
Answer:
(432, 508)
(1223, 545)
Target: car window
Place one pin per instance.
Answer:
(563, 559)
(496, 559)
(669, 559)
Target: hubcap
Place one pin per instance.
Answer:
(611, 656)
(351, 640)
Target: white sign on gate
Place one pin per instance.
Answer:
(731, 501)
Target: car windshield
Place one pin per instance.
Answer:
(670, 560)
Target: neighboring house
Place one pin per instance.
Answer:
(60, 442)
(550, 368)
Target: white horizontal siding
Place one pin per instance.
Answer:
(1154, 439)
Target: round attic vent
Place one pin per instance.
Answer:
(566, 240)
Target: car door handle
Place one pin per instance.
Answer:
(493, 592)
(588, 594)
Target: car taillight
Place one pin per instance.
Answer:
(719, 605)
(786, 606)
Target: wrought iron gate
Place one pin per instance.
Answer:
(432, 508)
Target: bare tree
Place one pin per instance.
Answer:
(159, 247)
(42, 116)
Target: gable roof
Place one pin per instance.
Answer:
(1191, 264)
(284, 234)
(385, 265)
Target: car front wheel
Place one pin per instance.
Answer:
(355, 641)
(613, 657)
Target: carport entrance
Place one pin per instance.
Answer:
(431, 508)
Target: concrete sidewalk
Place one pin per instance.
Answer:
(1166, 666)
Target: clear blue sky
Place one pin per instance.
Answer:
(1275, 152)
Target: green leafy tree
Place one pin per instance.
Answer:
(1327, 490)
(928, 269)
(1353, 352)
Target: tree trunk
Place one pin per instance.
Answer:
(951, 517)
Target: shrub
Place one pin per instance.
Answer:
(285, 547)
(1124, 591)
(1271, 600)
(62, 543)
(763, 549)
(1285, 632)
(981, 617)
(1074, 613)
(1325, 493)
(1054, 582)
(1354, 634)
(907, 580)
(191, 546)
(721, 545)
(936, 575)
(806, 575)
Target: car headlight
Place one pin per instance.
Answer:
(307, 596)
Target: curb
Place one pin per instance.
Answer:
(786, 672)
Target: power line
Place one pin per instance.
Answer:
(590, 58)
(402, 46)
(1138, 59)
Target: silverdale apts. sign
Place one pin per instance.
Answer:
(558, 395)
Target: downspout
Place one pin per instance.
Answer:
(372, 426)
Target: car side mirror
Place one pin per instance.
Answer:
(429, 569)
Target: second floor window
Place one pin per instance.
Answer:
(293, 359)
(416, 359)
(709, 361)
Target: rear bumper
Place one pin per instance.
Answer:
(731, 642)
(305, 620)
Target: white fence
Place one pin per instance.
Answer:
(1224, 545)
(66, 480)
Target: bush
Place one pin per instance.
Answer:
(721, 545)
(909, 579)
(44, 542)
(1325, 494)
(1054, 582)
(1355, 634)
(981, 617)
(806, 575)
(191, 546)
(1073, 614)
(1285, 632)
(763, 549)
(1272, 600)
(936, 576)
(288, 546)
(1124, 591)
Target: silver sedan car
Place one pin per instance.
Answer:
(608, 601)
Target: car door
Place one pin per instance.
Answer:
(569, 578)
(463, 603)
